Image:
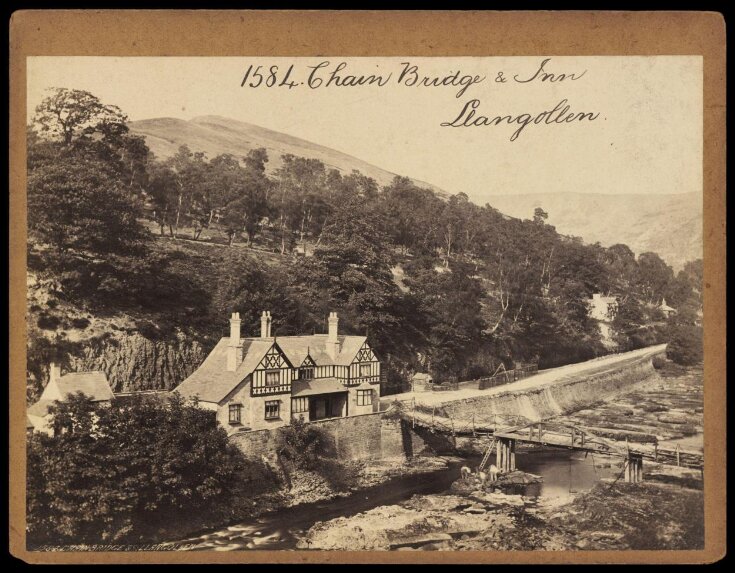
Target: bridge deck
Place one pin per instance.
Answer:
(545, 434)
(583, 441)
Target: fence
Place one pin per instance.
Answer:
(507, 376)
(488, 382)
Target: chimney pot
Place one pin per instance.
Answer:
(265, 324)
(333, 346)
(234, 349)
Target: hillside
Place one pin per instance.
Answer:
(670, 225)
(215, 135)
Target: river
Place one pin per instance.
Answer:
(564, 473)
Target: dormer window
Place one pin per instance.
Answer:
(306, 373)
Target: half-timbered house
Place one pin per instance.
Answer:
(267, 381)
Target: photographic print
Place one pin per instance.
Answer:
(371, 304)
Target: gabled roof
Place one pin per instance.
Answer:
(296, 348)
(93, 384)
(40, 408)
(211, 382)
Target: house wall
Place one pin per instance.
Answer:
(352, 438)
(241, 395)
(355, 410)
(257, 411)
(41, 424)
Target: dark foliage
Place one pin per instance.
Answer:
(138, 470)
(439, 284)
(301, 444)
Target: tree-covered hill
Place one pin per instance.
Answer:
(167, 248)
(216, 135)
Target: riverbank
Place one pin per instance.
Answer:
(274, 518)
(663, 512)
(609, 517)
(320, 509)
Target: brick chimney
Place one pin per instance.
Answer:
(265, 324)
(333, 346)
(234, 349)
(54, 372)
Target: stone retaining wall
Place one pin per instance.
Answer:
(552, 400)
(351, 438)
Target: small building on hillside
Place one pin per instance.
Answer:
(603, 307)
(420, 382)
(93, 384)
(666, 309)
(254, 383)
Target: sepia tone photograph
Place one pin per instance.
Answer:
(364, 304)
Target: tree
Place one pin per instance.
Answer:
(539, 216)
(81, 204)
(414, 215)
(449, 310)
(685, 345)
(67, 114)
(654, 276)
(248, 196)
(163, 189)
(627, 324)
(132, 471)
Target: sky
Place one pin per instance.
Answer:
(646, 137)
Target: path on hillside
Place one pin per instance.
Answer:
(543, 378)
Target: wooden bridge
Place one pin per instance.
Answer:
(507, 431)
(576, 438)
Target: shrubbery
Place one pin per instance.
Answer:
(686, 346)
(301, 444)
(141, 469)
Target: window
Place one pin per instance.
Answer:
(272, 377)
(299, 405)
(306, 373)
(366, 370)
(364, 397)
(235, 413)
(272, 409)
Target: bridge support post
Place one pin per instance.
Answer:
(634, 469)
(506, 455)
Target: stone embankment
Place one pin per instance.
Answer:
(548, 394)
